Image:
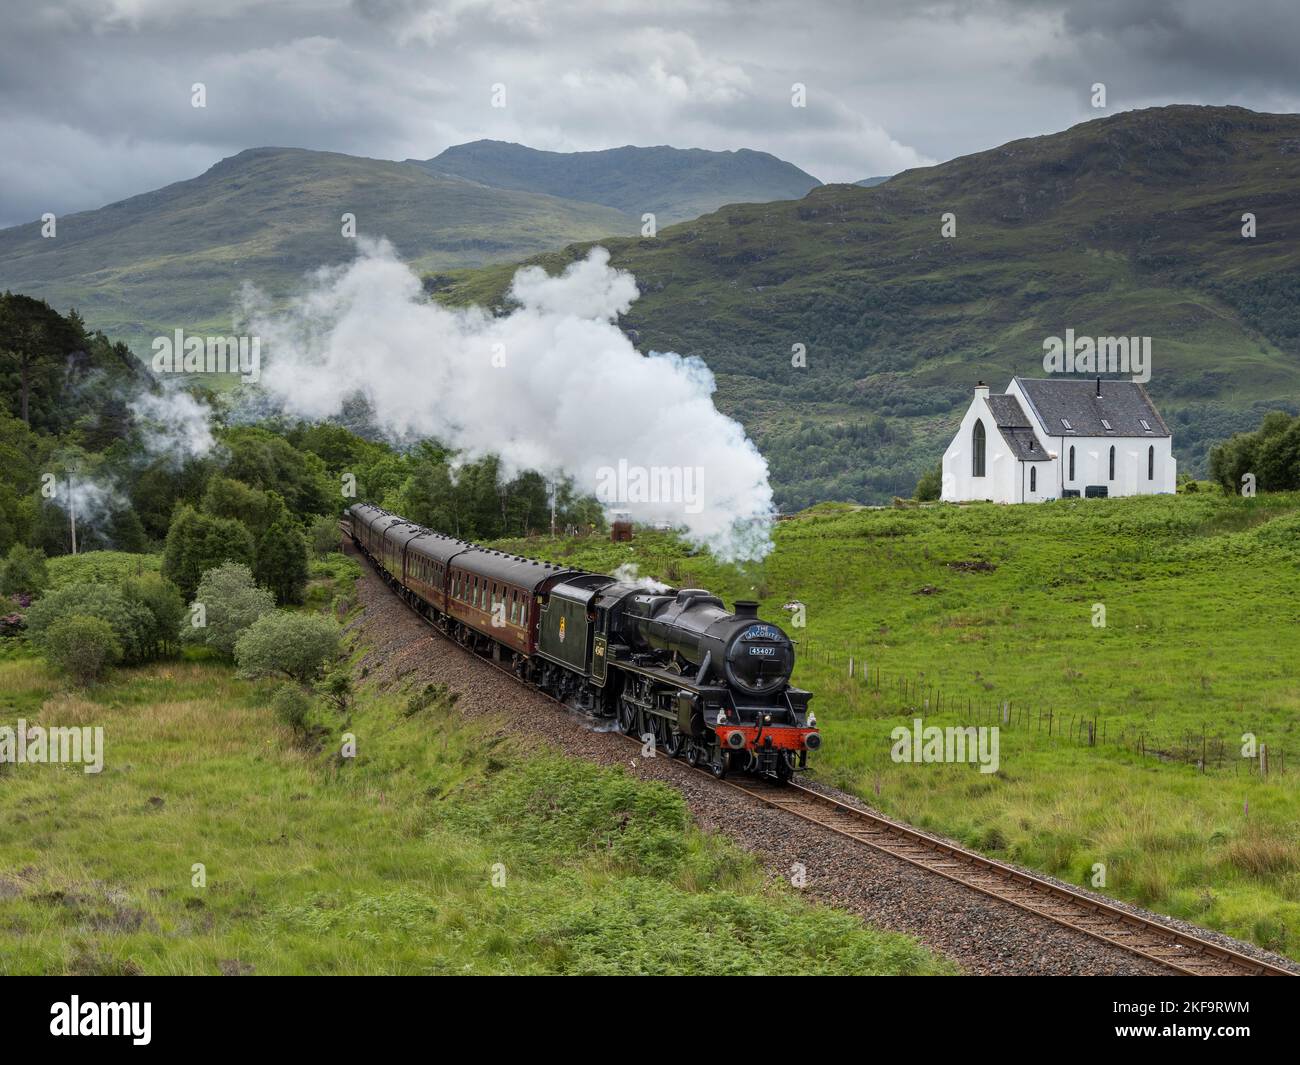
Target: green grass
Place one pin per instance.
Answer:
(1202, 595)
(100, 567)
(379, 864)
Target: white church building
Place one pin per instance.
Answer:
(1058, 438)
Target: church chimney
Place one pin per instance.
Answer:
(982, 390)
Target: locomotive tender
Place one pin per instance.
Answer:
(710, 685)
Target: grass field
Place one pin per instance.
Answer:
(997, 604)
(385, 863)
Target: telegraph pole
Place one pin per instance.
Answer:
(72, 513)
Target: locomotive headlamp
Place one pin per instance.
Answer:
(767, 719)
(812, 719)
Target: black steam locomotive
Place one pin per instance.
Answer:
(709, 685)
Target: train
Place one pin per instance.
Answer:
(707, 684)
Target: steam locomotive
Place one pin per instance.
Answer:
(709, 685)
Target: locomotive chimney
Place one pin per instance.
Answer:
(746, 608)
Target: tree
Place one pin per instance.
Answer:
(82, 646)
(294, 645)
(1271, 454)
(198, 542)
(231, 601)
(227, 498)
(282, 562)
(930, 486)
(325, 536)
(24, 570)
(261, 459)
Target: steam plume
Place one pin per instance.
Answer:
(553, 385)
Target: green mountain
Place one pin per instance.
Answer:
(872, 182)
(1126, 225)
(672, 183)
(178, 256)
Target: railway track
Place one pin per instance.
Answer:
(1179, 951)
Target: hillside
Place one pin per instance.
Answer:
(178, 256)
(1129, 224)
(673, 183)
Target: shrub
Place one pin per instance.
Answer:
(198, 542)
(131, 622)
(163, 601)
(82, 646)
(282, 562)
(336, 688)
(294, 645)
(231, 601)
(24, 571)
(291, 706)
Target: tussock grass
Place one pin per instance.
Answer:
(384, 864)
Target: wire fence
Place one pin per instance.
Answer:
(858, 681)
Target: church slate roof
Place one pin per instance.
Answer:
(1124, 405)
(1016, 430)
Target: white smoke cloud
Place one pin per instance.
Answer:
(630, 573)
(553, 385)
(173, 424)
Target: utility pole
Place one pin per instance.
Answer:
(552, 510)
(72, 513)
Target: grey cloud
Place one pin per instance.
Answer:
(94, 94)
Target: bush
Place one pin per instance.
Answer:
(24, 571)
(291, 706)
(131, 622)
(282, 562)
(232, 601)
(82, 646)
(197, 543)
(163, 601)
(294, 645)
(336, 689)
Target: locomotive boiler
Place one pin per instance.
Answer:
(673, 666)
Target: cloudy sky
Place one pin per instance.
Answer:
(95, 95)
